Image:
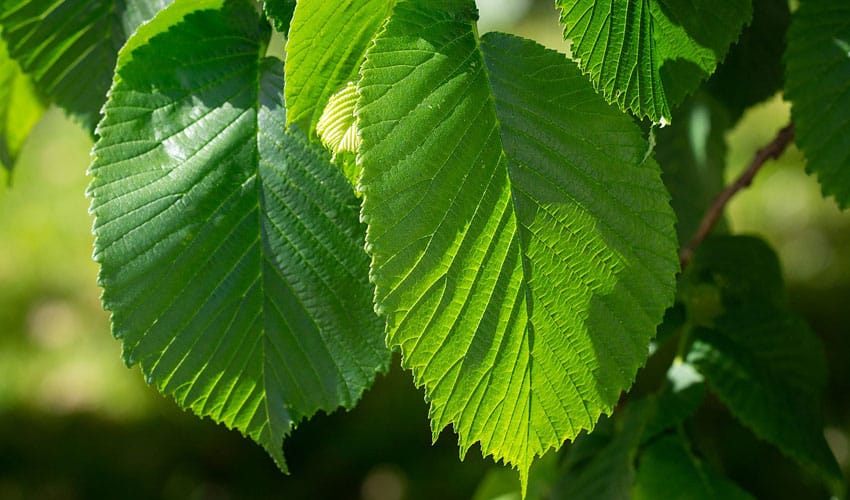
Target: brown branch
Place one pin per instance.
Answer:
(773, 150)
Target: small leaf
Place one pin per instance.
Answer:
(647, 55)
(337, 129)
(21, 107)
(230, 250)
(818, 85)
(522, 249)
(326, 45)
(667, 469)
(69, 47)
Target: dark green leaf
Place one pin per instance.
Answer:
(818, 86)
(667, 469)
(753, 69)
(762, 360)
(230, 250)
(69, 47)
(609, 472)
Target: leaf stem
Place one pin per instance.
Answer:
(773, 150)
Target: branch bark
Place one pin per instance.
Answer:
(773, 150)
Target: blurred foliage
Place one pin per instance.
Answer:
(75, 423)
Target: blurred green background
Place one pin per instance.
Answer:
(76, 424)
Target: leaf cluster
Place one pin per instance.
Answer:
(507, 218)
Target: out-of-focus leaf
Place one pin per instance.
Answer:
(817, 83)
(667, 469)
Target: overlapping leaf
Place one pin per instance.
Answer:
(230, 250)
(647, 55)
(523, 246)
(326, 45)
(70, 46)
(818, 85)
(20, 108)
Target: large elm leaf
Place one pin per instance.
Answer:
(21, 107)
(522, 242)
(70, 46)
(325, 48)
(231, 251)
(647, 55)
(818, 85)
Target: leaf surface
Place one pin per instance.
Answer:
(647, 55)
(21, 107)
(70, 46)
(231, 251)
(522, 249)
(324, 51)
(818, 85)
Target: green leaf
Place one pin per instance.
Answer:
(279, 13)
(647, 55)
(753, 70)
(667, 469)
(21, 107)
(324, 51)
(231, 252)
(337, 129)
(692, 155)
(818, 85)
(609, 472)
(69, 47)
(762, 360)
(522, 246)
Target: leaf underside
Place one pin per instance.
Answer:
(231, 252)
(514, 227)
(818, 85)
(647, 55)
